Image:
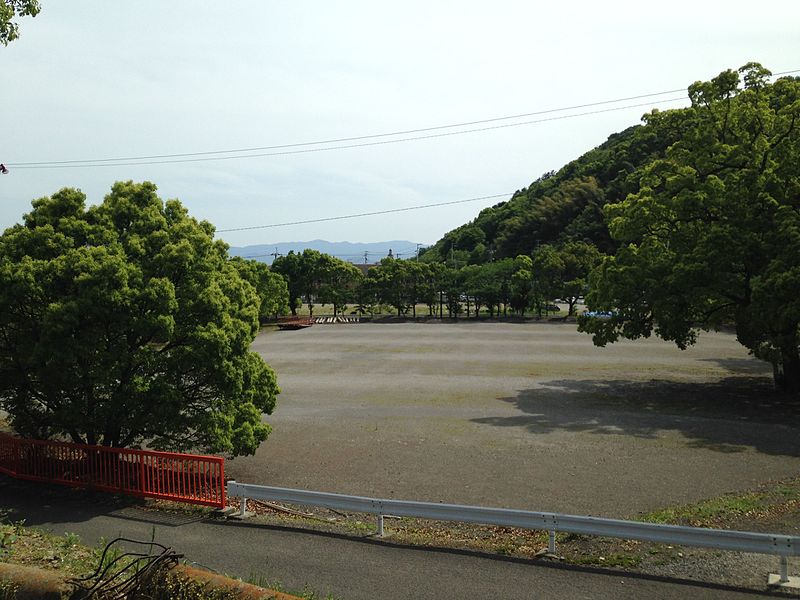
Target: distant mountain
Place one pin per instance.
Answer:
(349, 251)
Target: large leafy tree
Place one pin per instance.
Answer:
(521, 284)
(292, 268)
(392, 281)
(563, 271)
(270, 287)
(712, 235)
(317, 277)
(126, 323)
(9, 9)
(338, 280)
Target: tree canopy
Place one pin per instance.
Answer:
(126, 323)
(563, 271)
(270, 287)
(314, 275)
(9, 9)
(711, 236)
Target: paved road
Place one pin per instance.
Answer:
(347, 567)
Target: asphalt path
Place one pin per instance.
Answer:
(347, 567)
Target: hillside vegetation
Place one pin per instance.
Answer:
(559, 206)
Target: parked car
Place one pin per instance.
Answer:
(603, 315)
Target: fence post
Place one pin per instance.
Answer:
(380, 525)
(223, 485)
(16, 448)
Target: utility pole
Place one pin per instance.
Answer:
(418, 247)
(275, 254)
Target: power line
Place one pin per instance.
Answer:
(365, 214)
(348, 139)
(181, 157)
(330, 148)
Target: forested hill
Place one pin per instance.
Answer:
(559, 206)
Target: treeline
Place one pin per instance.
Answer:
(514, 257)
(508, 286)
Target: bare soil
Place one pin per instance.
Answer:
(520, 415)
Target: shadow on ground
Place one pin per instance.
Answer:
(39, 503)
(730, 415)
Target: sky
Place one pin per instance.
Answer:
(102, 80)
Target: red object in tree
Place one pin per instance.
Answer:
(3, 169)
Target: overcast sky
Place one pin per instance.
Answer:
(97, 80)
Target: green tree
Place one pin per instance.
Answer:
(429, 285)
(712, 235)
(126, 323)
(292, 269)
(9, 9)
(302, 273)
(563, 271)
(393, 283)
(521, 284)
(452, 282)
(339, 281)
(317, 277)
(270, 287)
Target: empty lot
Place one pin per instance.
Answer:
(519, 415)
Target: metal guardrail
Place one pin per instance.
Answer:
(783, 546)
(190, 478)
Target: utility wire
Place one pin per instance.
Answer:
(330, 148)
(365, 214)
(149, 159)
(348, 139)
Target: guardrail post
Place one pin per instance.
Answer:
(551, 546)
(782, 579)
(380, 525)
(243, 507)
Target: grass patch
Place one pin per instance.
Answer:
(763, 503)
(34, 548)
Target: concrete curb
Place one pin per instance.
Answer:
(182, 574)
(29, 583)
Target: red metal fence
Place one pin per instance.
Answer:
(166, 475)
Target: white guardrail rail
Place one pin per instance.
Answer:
(780, 545)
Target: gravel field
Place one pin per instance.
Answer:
(519, 415)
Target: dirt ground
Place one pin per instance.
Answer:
(528, 416)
